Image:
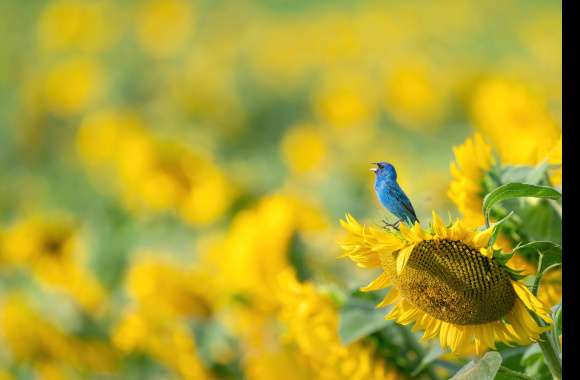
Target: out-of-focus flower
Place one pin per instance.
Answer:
(164, 26)
(448, 283)
(28, 336)
(168, 288)
(257, 247)
(165, 297)
(516, 120)
(5, 375)
(101, 136)
(283, 363)
(246, 262)
(413, 99)
(346, 100)
(473, 159)
(206, 89)
(73, 24)
(73, 85)
(34, 340)
(311, 319)
(167, 340)
(555, 158)
(542, 35)
(169, 175)
(52, 250)
(304, 149)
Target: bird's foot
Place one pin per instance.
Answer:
(387, 225)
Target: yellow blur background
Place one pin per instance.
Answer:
(163, 161)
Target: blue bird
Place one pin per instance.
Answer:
(391, 195)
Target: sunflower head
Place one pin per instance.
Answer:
(448, 281)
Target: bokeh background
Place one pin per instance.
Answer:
(162, 161)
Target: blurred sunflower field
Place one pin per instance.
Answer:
(185, 189)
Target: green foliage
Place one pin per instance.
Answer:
(531, 175)
(217, 348)
(497, 227)
(516, 190)
(359, 317)
(557, 326)
(533, 363)
(550, 253)
(431, 356)
(480, 369)
(236, 97)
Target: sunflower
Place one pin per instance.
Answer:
(473, 163)
(53, 251)
(516, 119)
(311, 321)
(34, 339)
(473, 160)
(555, 157)
(448, 282)
(166, 299)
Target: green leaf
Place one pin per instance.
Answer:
(298, 258)
(480, 369)
(542, 221)
(516, 190)
(358, 318)
(433, 354)
(533, 362)
(538, 173)
(533, 353)
(551, 253)
(518, 173)
(532, 175)
(213, 341)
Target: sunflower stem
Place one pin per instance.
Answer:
(549, 348)
(513, 374)
(535, 289)
(551, 357)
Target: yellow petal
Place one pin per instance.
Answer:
(379, 283)
(407, 233)
(419, 233)
(391, 297)
(443, 334)
(531, 301)
(438, 226)
(487, 252)
(403, 257)
(481, 239)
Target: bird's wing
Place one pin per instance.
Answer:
(402, 199)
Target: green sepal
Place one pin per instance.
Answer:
(515, 274)
(502, 258)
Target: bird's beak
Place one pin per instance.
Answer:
(374, 170)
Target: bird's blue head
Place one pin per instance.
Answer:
(384, 170)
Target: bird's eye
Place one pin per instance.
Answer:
(380, 166)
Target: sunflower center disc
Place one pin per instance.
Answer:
(455, 283)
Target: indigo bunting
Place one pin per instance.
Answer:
(391, 195)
